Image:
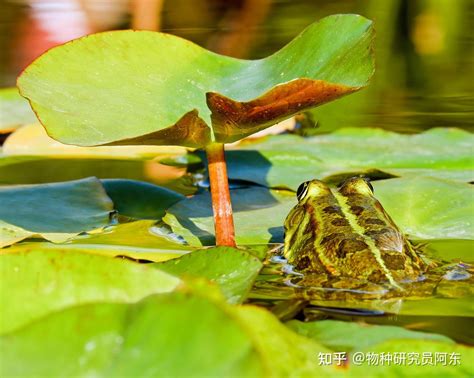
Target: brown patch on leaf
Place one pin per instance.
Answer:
(189, 131)
(233, 120)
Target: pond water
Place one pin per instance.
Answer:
(424, 79)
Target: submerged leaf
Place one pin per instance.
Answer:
(37, 282)
(86, 93)
(232, 269)
(53, 211)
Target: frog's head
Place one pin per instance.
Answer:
(357, 185)
(312, 189)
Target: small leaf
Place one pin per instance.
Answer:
(53, 211)
(171, 91)
(232, 269)
(37, 282)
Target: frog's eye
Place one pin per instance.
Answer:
(302, 190)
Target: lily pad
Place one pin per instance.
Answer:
(184, 94)
(37, 282)
(140, 200)
(140, 240)
(346, 336)
(176, 335)
(429, 208)
(285, 161)
(14, 109)
(232, 269)
(424, 208)
(53, 211)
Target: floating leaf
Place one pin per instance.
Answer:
(140, 200)
(141, 240)
(53, 211)
(14, 109)
(232, 269)
(171, 91)
(37, 282)
(346, 336)
(285, 161)
(173, 335)
(429, 208)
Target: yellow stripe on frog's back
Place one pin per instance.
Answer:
(358, 229)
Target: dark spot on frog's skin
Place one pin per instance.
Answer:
(350, 246)
(339, 222)
(357, 210)
(377, 276)
(374, 221)
(332, 210)
(303, 263)
(375, 233)
(394, 261)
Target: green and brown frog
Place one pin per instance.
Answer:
(346, 236)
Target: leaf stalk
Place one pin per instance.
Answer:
(220, 194)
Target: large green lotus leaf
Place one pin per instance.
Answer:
(348, 336)
(429, 208)
(47, 169)
(140, 200)
(53, 211)
(424, 208)
(170, 335)
(14, 110)
(232, 269)
(285, 161)
(259, 214)
(414, 350)
(32, 140)
(140, 240)
(140, 87)
(37, 282)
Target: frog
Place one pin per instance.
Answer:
(345, 235)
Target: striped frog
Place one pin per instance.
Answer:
(347, 234)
